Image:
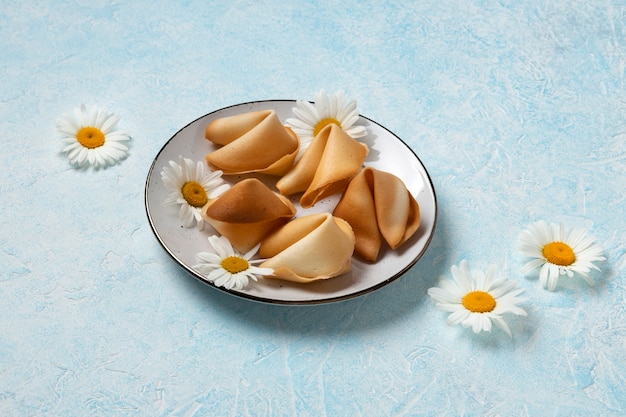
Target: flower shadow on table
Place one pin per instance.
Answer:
(376, 309)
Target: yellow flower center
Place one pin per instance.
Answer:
(323, 123)
(194, 194)
(479, 302)
(559, 253)
(235, 264)
(90, 137)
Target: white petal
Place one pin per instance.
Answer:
(459, 279)
(261, 271)
(109, 124)
(441, 295)
(458, 316)
(502, 324)
(209, 257)
(449, 307)
(532, 265)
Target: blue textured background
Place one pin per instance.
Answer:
(517, 109)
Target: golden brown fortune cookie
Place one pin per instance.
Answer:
(251, 142)
(247, 212)
(378, 206)
(309, 248)
(326, 166)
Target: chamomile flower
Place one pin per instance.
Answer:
(228, 268)
(312, 118)
(191, 187)
(558, 251)
(92, 138)
(475, 299)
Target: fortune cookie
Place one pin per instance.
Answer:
(377, 203)
(251, 142)
(326, 166)
(309, 248)
(247, 212)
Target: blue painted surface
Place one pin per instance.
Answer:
(517, 109)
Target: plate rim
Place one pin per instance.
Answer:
(264, 300)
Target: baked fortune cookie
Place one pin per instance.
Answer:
(326, 166)
(251, 142)
(309, 248)
(378, 206)
(247, 212)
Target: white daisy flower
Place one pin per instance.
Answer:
(92, 138)
(312, 118)
(227, 268)
(558, 252)
(476, 300)
(192, 187)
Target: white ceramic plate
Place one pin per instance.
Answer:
(387, 152)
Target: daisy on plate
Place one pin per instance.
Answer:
(310, 119)
(558, 251)
(227, 267)
(191, 187)
(92, 138)
(475, 299)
